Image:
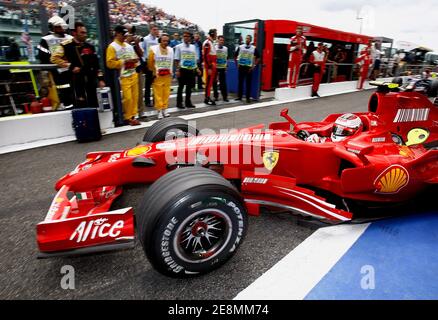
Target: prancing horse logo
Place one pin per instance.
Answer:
(270, 159)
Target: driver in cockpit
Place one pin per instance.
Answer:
(344, 127)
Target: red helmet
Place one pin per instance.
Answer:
(346, 126)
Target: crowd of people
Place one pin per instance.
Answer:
(316, 59)
(155, 60)
(121, 12)
(134, 12)
(143, 63)
(159, 62)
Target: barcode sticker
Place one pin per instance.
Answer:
(412, 115)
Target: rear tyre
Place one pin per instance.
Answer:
(433, 89)
(169, 129)
(190, 222)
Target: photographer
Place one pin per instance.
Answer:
(135, 41)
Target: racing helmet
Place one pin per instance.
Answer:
(346, 126)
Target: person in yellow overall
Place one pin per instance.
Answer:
(160, 61)
(121, 56)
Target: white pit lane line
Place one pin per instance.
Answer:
(293, 277)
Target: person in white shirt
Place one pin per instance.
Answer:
(221, 70)
(376, 55)
(148, 42)
(186, 65)
(318, 59)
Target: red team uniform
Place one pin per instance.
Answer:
(365, 60)
(297, 49)
(209, 58)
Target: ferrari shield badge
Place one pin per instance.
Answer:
(270, 159)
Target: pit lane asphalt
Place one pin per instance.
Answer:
(28, 178)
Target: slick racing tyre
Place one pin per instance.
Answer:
(190, 222)
(169, 129)
(433, 89)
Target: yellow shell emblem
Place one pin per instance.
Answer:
(138, 151)
(392, 180)
(270, 159)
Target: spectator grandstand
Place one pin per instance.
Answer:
(121, 11)
(19, 16)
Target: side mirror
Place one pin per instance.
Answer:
(285, 114)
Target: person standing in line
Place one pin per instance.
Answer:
(318, 60)
(48, 45)
(221, 65)
(365, 61)
(160, 61)
(209, 58)
(376, 56)
(396, 63)
(176, 40)
(136, 42)
(121, 56)
(198, 44)
(150, 40)
(247, 58)
(186, 69)
(83, 67)
(297, 49)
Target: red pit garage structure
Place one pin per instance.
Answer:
(273, 36)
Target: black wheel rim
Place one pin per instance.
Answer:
(203, 235)
(173, 134)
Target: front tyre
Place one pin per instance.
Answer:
(191, 221)
(169, 129)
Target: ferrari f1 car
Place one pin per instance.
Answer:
(193, 216)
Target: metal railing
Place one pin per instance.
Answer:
(338, 72)
(20, 84)
(333, 72)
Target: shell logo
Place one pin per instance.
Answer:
(138, 151)
(392, 180)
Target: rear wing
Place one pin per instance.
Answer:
(385, 86)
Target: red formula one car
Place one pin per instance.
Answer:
(194, 215)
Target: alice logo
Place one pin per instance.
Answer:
(89, 230)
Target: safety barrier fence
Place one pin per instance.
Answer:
(333, 72)
(339, 72)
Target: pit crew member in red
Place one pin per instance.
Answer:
(297, 49)
(365, 61)
(318, 59)
(209, 58)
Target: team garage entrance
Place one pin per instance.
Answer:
(272, 37)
